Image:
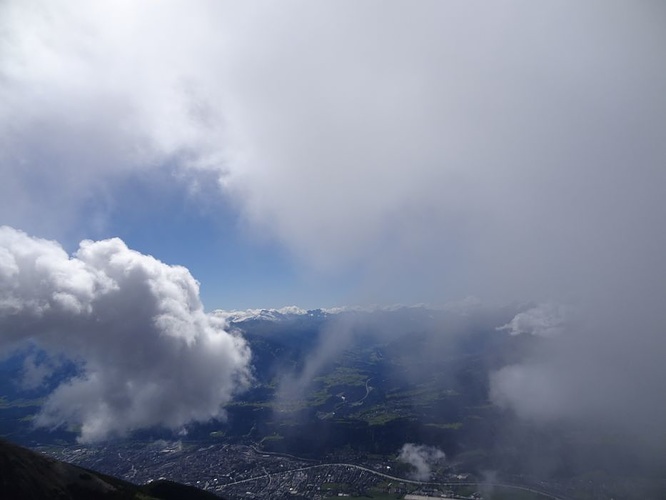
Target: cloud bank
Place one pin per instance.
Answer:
(149, 355)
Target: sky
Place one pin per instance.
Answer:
(338, 153)
(329, 153)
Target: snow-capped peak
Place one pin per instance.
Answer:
(237, 316)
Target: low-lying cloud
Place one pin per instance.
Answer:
(421, 458)
(148, 353)
(543, 320)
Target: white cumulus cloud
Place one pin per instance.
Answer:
(149, 354)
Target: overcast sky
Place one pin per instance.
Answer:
(322, 153)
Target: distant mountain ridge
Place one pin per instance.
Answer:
(239, 316)
(292, 312)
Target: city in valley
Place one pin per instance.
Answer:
(243, 471)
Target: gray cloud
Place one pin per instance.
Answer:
(36, 371)
(421, 458)
(475, 153)
(509, 154)
(149, 355)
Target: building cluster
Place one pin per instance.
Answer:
(237, 471)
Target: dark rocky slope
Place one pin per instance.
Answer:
(27, 475)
